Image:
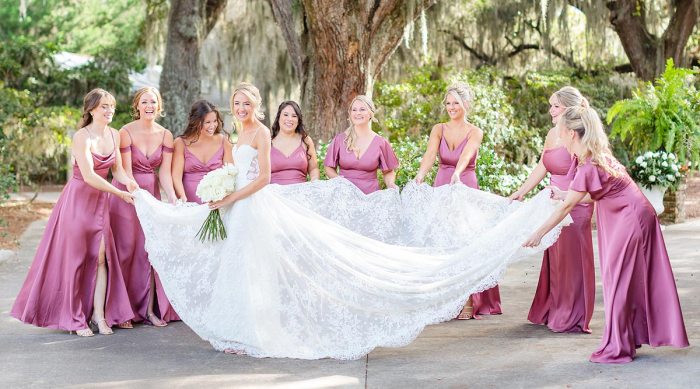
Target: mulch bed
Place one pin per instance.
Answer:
(15, 217)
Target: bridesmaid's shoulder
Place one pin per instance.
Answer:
(179, 142)
(308, 141)
(474, 129)
(437, 129)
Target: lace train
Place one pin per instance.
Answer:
(320, 270)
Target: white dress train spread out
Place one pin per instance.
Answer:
(321, 270)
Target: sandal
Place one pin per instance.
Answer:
(127, 325)
(84, 333)
(102, 326)
(467, 313)
(156, 321)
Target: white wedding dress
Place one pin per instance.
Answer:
(321, 270)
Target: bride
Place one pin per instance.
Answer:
(314, 282)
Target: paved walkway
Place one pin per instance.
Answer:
(497, 352)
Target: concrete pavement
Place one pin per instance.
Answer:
(498, 352)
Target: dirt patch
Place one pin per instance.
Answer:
(15, 217)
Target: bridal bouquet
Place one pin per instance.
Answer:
(216, 185)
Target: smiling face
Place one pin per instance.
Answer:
(104, 112)
(148, 106)
(288, 120)
(360, 113)
(243, 108)
(556, 108)
(209, 125)
(454, 107)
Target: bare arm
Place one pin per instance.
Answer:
(430, 153)
(228, 151)
(263, 143)
(83, 157)
(314, 172)
(165, 171)
(178, 168)
(470, 150)
(539, 172)
(572, 198)
(125, 141)
(390, 179)
(118, 171)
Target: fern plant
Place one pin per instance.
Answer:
(664, 115)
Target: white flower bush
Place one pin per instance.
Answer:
(657, 168)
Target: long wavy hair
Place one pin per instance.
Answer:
(90, 102)
(351, 139)
(195, 121)
(301, 130)
(585, 122)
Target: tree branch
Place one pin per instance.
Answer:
(282, 11)
(483, 57)
(680, 27)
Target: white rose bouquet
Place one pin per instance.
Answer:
(657, 168)
(216, 185)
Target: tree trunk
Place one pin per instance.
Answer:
(646, 52)
(189, 23)
(338, 47)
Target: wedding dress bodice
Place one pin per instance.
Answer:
(245, 158)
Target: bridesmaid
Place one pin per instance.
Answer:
(146, 150)
(566, 289)
(639, 291)
(75, 275)
(358, 152)
(457, 144)
(203, 147)
(292, 155)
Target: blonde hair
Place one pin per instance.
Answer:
(586, 123)
(253, 94)
(463, 93)
(351, 139)
(137, 98)
(569, 96)
(92, 101)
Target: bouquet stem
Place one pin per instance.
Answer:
(213, 228)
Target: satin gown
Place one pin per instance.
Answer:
(565, 292)
(362, 171)
(59, 289)
(195, 170)
(130, 242)
(291, 169)
(487, 302)
(639, 291)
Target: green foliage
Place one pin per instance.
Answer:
(663, 115)
(8, 184)
(36, 138)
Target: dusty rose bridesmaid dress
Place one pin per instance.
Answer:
(487, 302)
(58, 291)
(362, 171)
(566, 289)
(290, 169)
(195, 170)
(130, 241)
(639, 291)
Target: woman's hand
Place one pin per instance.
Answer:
(557, 194)
(455, 179)
(533, 240)
(230, 199)
(516, 196)
(419, 178)
(126, 196)
(392, 186)
(131, 186)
